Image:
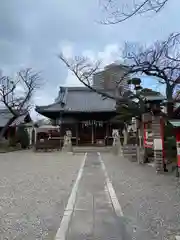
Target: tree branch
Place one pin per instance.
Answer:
(160, 60)
(83, 69)
(16, 94)
(117, 11)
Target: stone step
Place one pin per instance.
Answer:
(130, 152)
(91, 149)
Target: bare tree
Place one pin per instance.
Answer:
(16, 94)
(160, 60)
(84, 69)
(117, 11)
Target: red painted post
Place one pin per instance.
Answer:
(144, 128)
(147, 140)
(178, 150)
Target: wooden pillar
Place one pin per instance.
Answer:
(77, 134)
(107, 133)
(33, 133)
(61, 127)
(92, 132)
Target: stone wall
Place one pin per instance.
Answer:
(157, 143)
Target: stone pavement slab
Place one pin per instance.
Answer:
(94, 216)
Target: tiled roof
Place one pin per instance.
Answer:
(6, 115)
(158, 97)
(81, 99)
(18, 121)
(175, 123)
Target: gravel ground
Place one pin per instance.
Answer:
(150, 202)
(34, 189)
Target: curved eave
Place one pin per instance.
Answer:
(43, 109)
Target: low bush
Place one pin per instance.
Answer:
(22, 137)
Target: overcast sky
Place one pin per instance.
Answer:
(33, 32)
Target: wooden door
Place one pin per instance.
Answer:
(85, 133)
(99, 131)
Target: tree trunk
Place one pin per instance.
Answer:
(170, 109)
(170, 103)
(5, 128)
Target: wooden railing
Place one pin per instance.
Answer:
(47, 144)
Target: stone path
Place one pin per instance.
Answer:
(94, 216)
(149, 202)
(35, 188)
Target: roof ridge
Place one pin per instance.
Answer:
(88, 89)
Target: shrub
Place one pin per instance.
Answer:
(22, 137)
(4, 143)
(12, 141)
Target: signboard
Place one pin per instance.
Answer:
(148, 139)
(178, 148)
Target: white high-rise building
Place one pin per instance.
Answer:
(111, 77)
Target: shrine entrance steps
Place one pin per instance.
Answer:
(130, 152)
(85, 149)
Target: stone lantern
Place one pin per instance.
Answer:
(154, 136)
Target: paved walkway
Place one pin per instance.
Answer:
(113, 198)
(94, 216)
(117, 199)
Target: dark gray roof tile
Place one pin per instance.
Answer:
(81, 99)
(6, 115)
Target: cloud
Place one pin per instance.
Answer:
(66, 48)
(71, 80)
(41, 98)
(109, 54)
(32, 33)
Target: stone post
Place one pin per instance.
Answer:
(158, 146)
(147, 136)
(116, 146)
(67, 145)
